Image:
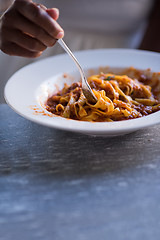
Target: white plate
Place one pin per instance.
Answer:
(28, 87)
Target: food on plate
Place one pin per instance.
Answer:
(128, 95)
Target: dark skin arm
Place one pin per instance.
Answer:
(27, 29)
(151, 39)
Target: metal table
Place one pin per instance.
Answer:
(65, 186)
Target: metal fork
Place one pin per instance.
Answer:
(87, 91)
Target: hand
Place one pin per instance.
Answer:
(27, 29)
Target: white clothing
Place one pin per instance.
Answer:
(88, 25)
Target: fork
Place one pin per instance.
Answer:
(86, 89)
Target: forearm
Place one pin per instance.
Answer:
(151, 39)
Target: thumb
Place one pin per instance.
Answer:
(53, 12)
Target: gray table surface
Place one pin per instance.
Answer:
(65, 186)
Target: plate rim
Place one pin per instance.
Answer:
(79, 124)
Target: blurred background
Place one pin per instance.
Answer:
(89, 25)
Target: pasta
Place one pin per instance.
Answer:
(119, 97)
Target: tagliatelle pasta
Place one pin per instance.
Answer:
(119, 97)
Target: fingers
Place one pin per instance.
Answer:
(33, 30)
(39, 17)
(15, 50)
(20, 44)
(26, 41)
